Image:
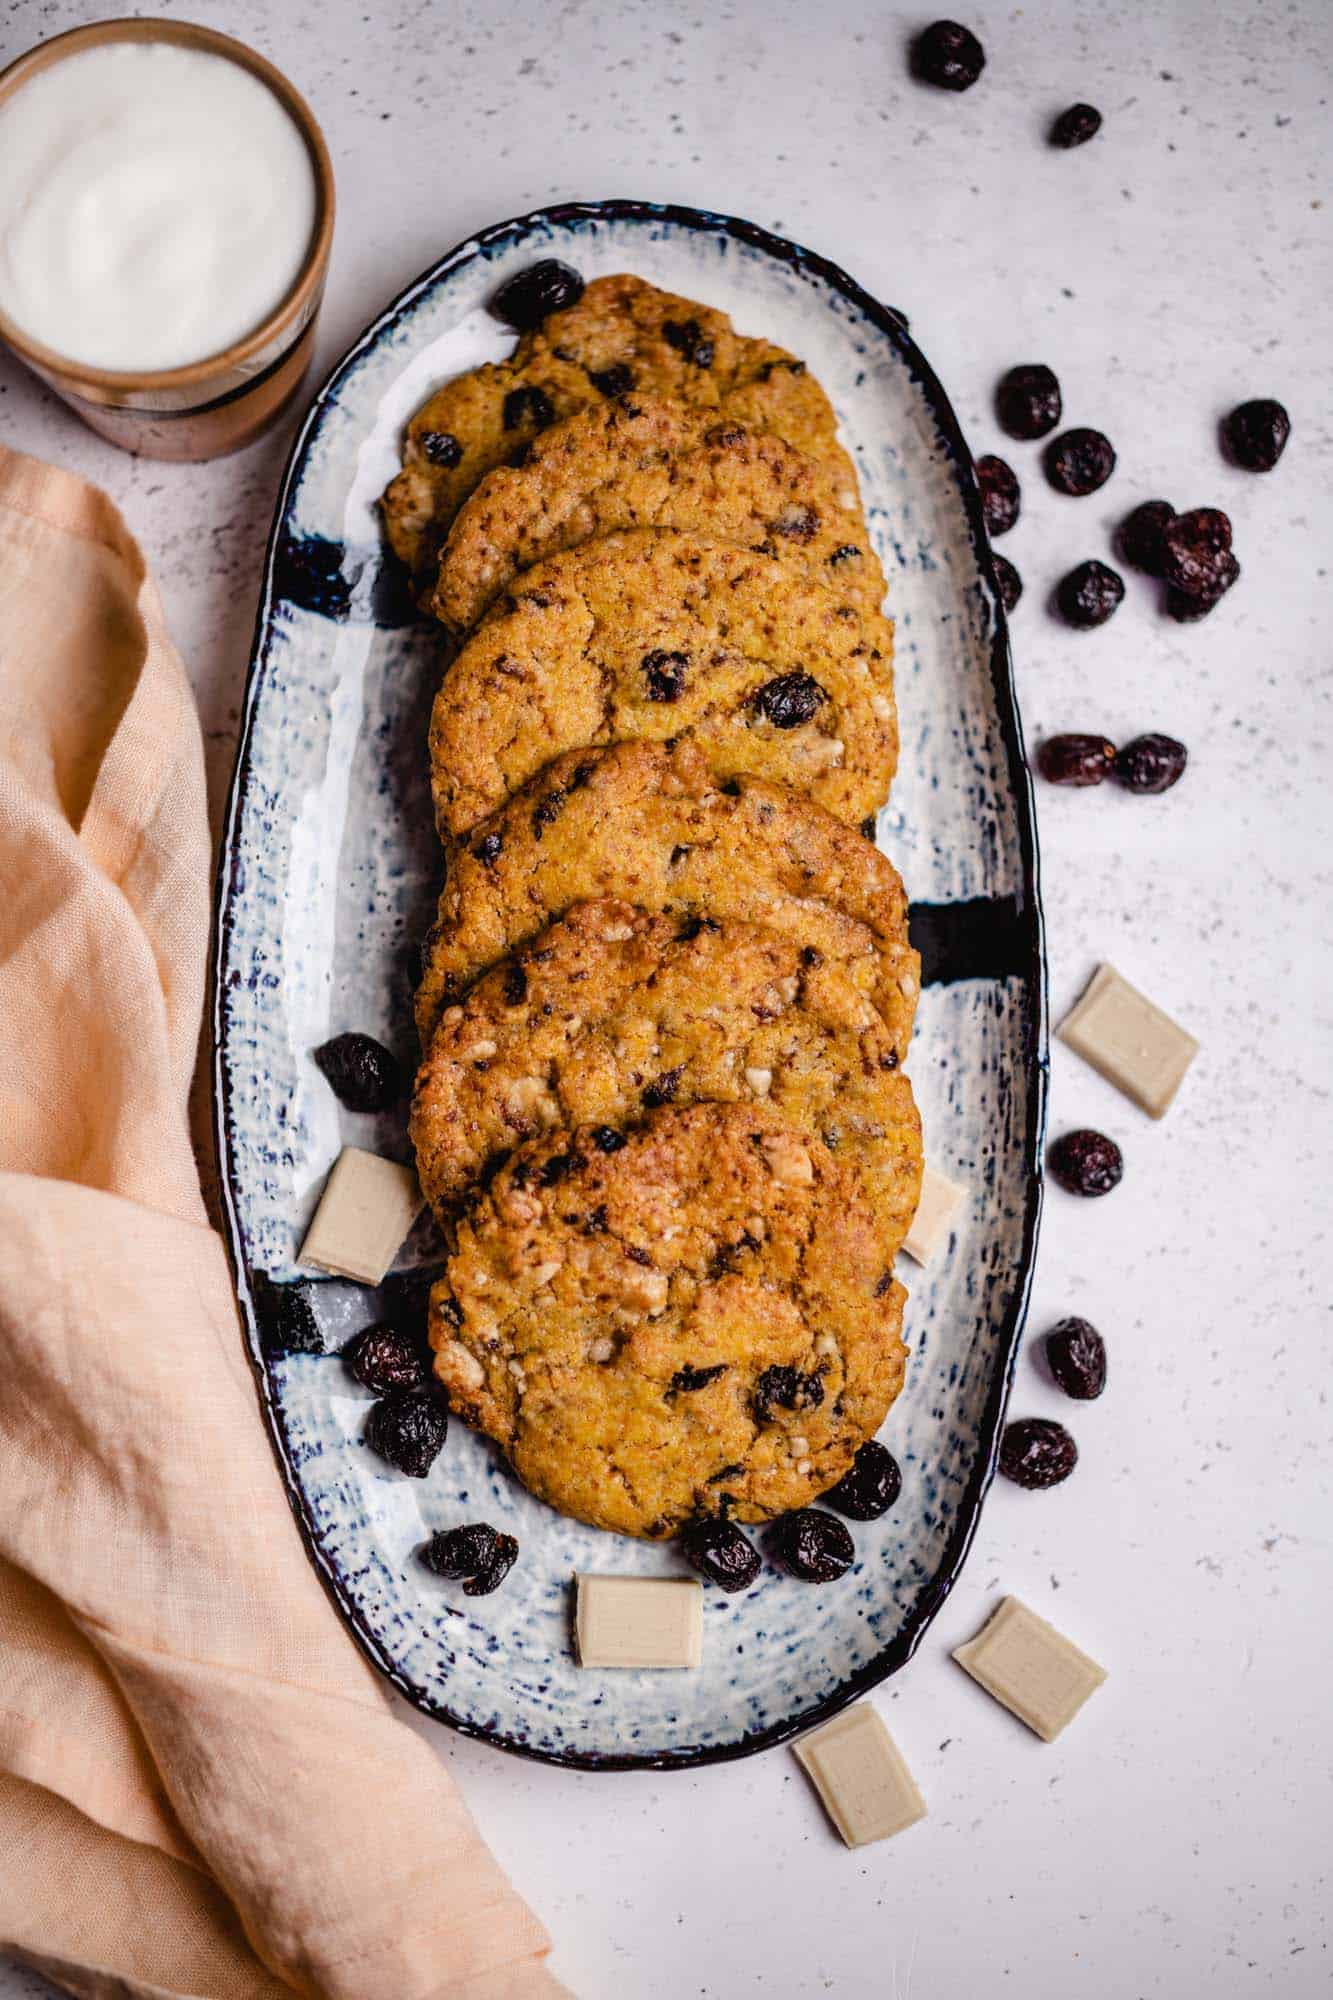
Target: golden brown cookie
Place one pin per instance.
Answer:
(656, 634)
(693, 1317)
(654, 827)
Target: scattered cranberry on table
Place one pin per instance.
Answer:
(1036, 1453)
(1140, 536)
(1028, 401)
(1089, 595)
(1076, 1356)
(1256, 434)
(1086, 1162)
(947, 55)
(1000, 494)
(1007, 581)
(1196, 550)
(1150, 764)
(1076, 760)
(1076, 126)
(1079, 461)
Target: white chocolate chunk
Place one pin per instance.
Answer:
(638, 1621)
(1133, 1044)
(1038, 1674)
(934, 1213)
(367, 1207)
(858, 1771)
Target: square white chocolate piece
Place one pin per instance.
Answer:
(367, 1207)
(1133, 1044)
(638, 1621)
(858, 1771)
(1038, 1674)
(934, 1214)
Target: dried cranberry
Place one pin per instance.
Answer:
(814, 1545)
(1086, 1162)
(478, 1552)
(1079, 461)
(1036, 1452)
(440, 448)
(1000, 495)
(720, 1552)
(1140, 537)
(556, 1167)
(409, 1429)
(664, 1089)
(1075, 760)
(1150, 764)
(1089, 594)
(515, 988)
(1076, 126)
(947, 55)
(487, 849)
(607, 1139)
(1256, 434)
(1189, 610)
(1196, 553)
(524, 300)
(384, 1358)
(790, 700)
(617, 380)
(1007, 581)
(528, 405)
(1076, 1354)
(665, 674)
(845, 552)
(363, 1074)
(789, 1388)
(1028, 401)
(688, 1379)
(502, 1559)
(548, 810)
(689, 339)
(870, 1488)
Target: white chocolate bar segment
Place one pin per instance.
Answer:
(858, 1771)
(367, 1207)
(1038, 1674)
(638, 1621)
(935, 1212)
(1129, 1041)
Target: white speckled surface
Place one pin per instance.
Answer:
(1176, 1840)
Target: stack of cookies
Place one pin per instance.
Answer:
(661, 1113)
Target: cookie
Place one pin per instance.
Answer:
(653, 827)
(693, 1317)
(622, 335)
(639, 463)
(612, 1012)
(658, 634)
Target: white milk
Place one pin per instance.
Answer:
(156, 203)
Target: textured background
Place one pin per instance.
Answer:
(1176, 1840)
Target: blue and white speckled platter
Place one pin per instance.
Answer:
(328, 877)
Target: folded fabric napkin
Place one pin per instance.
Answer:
(203, 1789)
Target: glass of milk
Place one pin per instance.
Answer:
(166, 215)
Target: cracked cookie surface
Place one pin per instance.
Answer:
(697, 1319)
(654, 634)
(612, 1012)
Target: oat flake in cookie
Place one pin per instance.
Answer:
(729, 1246)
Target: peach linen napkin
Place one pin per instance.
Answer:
(203, 1789)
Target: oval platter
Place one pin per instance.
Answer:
(328, 877)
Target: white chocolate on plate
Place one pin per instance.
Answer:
(367, 1207)
(1129, 1041)
(638, 1621)
(858, 1771)
(1038, 1674)
(935, 1212)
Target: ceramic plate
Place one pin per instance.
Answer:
(328, 878)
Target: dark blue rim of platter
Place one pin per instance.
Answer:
(1013, 928)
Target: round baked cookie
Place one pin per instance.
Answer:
(623, 334)
(692, 1317)
(656, 634)
(640, 463)
(654, 827)
(612, 1012)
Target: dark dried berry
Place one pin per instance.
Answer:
(363, 1074)
(287, 1318)
(813, 1545)
(1079, 461)
(1076, 1354)
(844, 553)
(788, 1387)
(1076, 126)
(515, 985)
(458, 1552)
(1189, 610)
(1075, 760)
(384, 1358)
(440, 448)
(1028, 401)
(1140, 537)
(664, 674)
(720, 1552)
(869, 826)
(1150, 764)
(1007, 581)
(689, 339)
(524, 300)
(687, 1379)
(528, 405)
(503, 1557)
(1036, 1452)
(1195, 551)
(796, 523)
(1087, 1163)
(617, 380)
(487, 849)
(870, 1488)
(1000, 496)
(409, 1429)
(664, 1089)
(947, 55)
(554, 1170)
(790, 700)
(1089, 594)
(1256, 434)
(607, 1139)
(548, 810)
